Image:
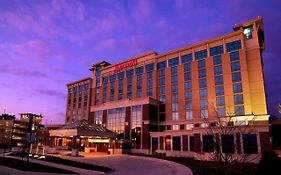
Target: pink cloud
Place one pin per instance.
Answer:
(143, 10)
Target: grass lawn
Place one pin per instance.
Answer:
(72, 163)
(28, 166)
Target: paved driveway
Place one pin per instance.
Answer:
(123, 164)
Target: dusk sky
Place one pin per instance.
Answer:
(45, 45)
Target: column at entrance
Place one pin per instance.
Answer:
(75, 146)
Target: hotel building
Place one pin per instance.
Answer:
(168, 103)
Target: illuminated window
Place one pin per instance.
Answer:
(188, 115)
(175, 116)
(175, 127)
(247, 31)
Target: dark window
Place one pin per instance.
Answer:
(104, 80)
(202, 73)
(219, 80)
(188, 95)
(174, 70)
(220, 101)
(191, 143)
(217, 59)
(216, 50)
(187, 76)
(139, 70)
(239, 110)
(250, 144)
(188, 85)
(149, 92)
(203, 92)
(162, 73)
(149, 83)
(234, 56)
(174, 79)
(208, 143)
(202, 83)
(201, 54)
(235, 66)
(203, 103)
(121, 75)
(174, 88)
(162, 81)
(186, 58)
(201, 64)
(238, 99)
(187, 67)
(236, 77)
(235, 45)
(219, 90)
(237, 88)
(174, 62)
(227, 143)
(112, 77)
(149, 75)
(130, 73)
(149, 67)
(162, 90)
(217, 70)
(161, 65)
(176, 143)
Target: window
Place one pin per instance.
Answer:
(234, 56)
(220, 101)
(216, 50)
(130, 73)
(98, 117)
(221, 111)
(139, 93)
(235, 66)
(176, 143)
(237, 88)
(187, 67)
(238, 99)
(188, 85)
(187, 76)
(217, 59)
(129, 80)
(174, 62)
(174, 79)
(201, 64)
(202, 73)
(161, 72)
(203, 92)
(174, 88)
(208, 143)
(188, 104)
(219, 80)
(204, 113)
(186, 58)
(175, 106)
(174, 70)
(202, 83)
(112, 77)
(139, 77)
(174, 97)
(203, 103)
(219, 90)
(201, 54)
(189, 127)
(239, 110)
(247, 31)
(162, 90)
(161, 65)
(162, 98)
(175, 127)
(188, 95)
(227, 143)
(188, 115)
(236, 77)
(250, 144)
(217, 70)
(149, 83)
(149, 92)
(121, 75)
(162, 81)
(139, 70)
(191, 143)
(149, 67)
(116, 120)
(149, 75)
(232, 46)
(175, 116)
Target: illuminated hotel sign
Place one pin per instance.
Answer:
(125, 65)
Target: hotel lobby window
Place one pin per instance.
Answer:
(116, 121)
(136, 125)
(98, 117)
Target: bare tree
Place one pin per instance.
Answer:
(228, 125)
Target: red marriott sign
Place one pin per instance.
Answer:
(125, 65)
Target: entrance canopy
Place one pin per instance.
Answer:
(82, 128)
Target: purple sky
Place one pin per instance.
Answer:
(46, 44)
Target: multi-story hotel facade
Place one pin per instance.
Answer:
(168, 103)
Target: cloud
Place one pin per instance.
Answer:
(50, 92)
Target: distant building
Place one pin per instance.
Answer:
(160, 102)
(14, 132)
